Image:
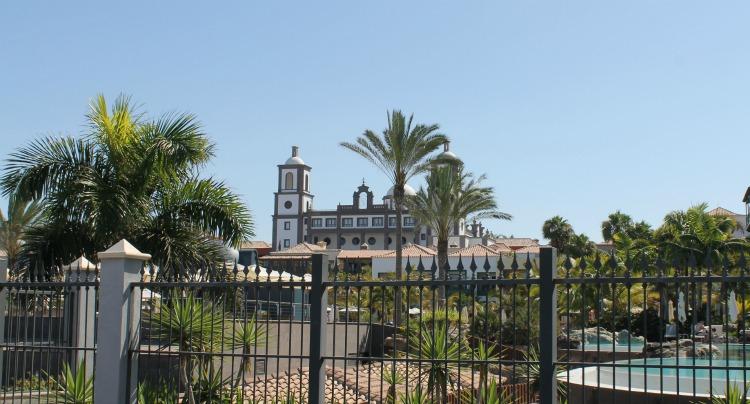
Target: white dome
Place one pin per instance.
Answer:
(295, 160)
(449, 155)
(408, 191)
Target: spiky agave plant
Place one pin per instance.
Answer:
(489, 395)
(193, 325)
(734, 395)
(393, 378)
(73, 387)
(443, 353)
(160, 392)
(246, 336)
(484, 354)
(417, 396)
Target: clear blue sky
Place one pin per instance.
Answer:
(570, 108)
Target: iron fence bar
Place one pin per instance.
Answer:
(318, 305)
(548, 326)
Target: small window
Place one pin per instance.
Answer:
(392, 222)
(307, 183)
(355, 241)
(331, 222)
(347, 222)
(389, 241)
(408, 221)
(371, 241)
(362, 222)
(377, 222)
(403, 240)
(287, 225)
(286, 243)
(305, 220)
(315, 239)
(342, 241)
(289, 181)
(327, 241)
(317, 222)
(423, 237)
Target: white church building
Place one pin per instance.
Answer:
(361, 224)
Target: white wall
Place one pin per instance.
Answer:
(282, 199)
(290, 234)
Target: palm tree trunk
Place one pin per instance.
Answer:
(398, 196)
(442, 252)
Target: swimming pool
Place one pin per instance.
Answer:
(660, 377)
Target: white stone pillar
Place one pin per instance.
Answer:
(116, 379)
(80, 313)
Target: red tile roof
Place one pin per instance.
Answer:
(361, 254)
(477, 250)
(514, 242)
(258, 244)
(412, 250)
(719, 211)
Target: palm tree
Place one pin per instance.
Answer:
(128, 177)
(21, 216)
(580, 246)
(616, 223)
(694, 231)
(451, 196)
(558, 231)
(401, 153)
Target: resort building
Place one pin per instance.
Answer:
(347, 226)
(741, 230)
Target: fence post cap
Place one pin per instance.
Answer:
(83, 264)
(123, 249)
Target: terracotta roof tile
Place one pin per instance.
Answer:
(412, 250)
(254, 244)
(361, 254)
(517, 242)
(719, 211)
(477, 250)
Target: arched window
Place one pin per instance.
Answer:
(362, 200)
(288, 181)
(307, 183)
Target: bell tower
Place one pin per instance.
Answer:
(291, 201)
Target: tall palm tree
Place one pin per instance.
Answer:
(451, 196)
(695, 231)
(401, 152)
(128, 177)
(558, 231)
(616, 222)
(21, 216)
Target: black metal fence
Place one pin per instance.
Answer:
(521, 329)
(47, 332)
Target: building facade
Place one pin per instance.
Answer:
(346, 227)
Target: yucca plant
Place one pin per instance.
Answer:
(484, 354)
(443, 352)
(247, 336)
(211, 386)
(734, 395)
(417, 396)
(156, 393)
(487, 394)
(194, 326)
(74, 387)
(393, 378)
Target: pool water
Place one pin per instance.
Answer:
(716, 369)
